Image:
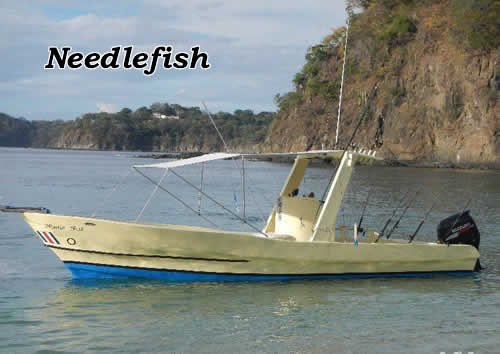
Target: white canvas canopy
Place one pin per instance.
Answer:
(331, 154)
(191, 160)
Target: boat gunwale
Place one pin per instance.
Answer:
(189, 228)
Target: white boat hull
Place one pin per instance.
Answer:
(98, 248)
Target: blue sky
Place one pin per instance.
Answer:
(255, 48)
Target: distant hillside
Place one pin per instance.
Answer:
(23, 133)
(161, 127)
(15, 132)
(436, 65)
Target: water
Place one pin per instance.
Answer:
(43, 309)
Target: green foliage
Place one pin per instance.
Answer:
(325, 88)
(476, 23)
(364, 4)
(299, 79)
(15, 132)
(288, 100)
(314, 57)
(163, 108)
(390, 4)
(397, 92)
(139, 130)
(23, 133)
(308, 78)
(47, 133)
(317, 53)
(399, 26)
(311, 69)
(360, 4)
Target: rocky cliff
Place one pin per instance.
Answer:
(437, 92)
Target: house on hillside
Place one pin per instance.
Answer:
(164, 116)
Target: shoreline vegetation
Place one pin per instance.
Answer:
(160, 127)
(32, 134)
(385, 162)
(436, 69)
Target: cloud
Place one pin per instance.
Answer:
(255, 48)
(107, 107)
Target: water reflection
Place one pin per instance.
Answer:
(104, 314)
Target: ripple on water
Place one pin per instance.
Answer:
(42, 309)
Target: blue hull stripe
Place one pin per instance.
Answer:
(93, 271)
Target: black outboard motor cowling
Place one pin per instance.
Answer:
(459, 229)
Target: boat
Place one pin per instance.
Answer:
(299, 240)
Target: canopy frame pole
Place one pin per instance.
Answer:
(201, 187)
(175, 197)
(219, 204)
(151, 196)
(236, 165)
(215, 126)
(243, 186)
(225, 148)
(120, 182)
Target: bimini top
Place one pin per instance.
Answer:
(325, 154)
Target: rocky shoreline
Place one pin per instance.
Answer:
(385, 162)
(389, 162)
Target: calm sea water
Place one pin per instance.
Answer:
(43, 310)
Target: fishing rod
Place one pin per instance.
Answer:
(412, 236)
(450, 231)
(396, 224)
(360, 229)
(400, 204)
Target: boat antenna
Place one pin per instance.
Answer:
(396, 224)
(360, 229)
(400, 204)
(349, 15)
(412, 236)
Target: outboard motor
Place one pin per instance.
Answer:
(458, 229)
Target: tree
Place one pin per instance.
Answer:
(475, 23)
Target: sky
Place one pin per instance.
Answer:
(254, 47)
